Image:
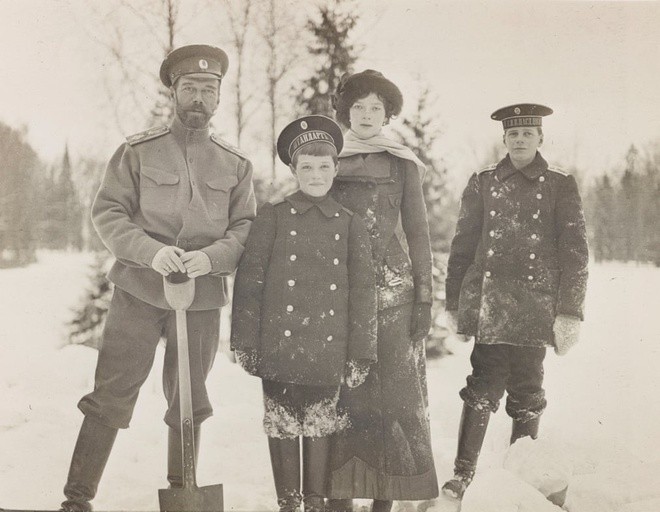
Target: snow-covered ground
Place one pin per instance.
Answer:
(600, 431)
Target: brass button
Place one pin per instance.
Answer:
(293, 232)
(532, 256)
(293, 257)
(535, 216)
(488, 274)
(293, 210)
(534, 236)
(539, 196)
(333, 286)
(530, 278)
(332, 312)
(329, 338)
(542, 179)
(336, 261)
(492, 213)
(337, 236)
(291, 282)
(287, 333)
(289, 308)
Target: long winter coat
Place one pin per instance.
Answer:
(519, 256)
(171, 185)
(304, 296)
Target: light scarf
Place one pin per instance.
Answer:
(353, 145)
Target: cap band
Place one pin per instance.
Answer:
(512, 122)
(309, 137)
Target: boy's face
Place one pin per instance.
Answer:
(315, 174)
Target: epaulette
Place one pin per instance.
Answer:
(151, 133)
(491, 167)
(557, 170)
(346, 210)
(225, 145)
(278, 201)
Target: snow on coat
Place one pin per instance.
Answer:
(519, 256)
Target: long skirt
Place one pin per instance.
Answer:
(385, 452)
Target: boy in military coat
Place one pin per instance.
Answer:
(516, 281)
(304, 310)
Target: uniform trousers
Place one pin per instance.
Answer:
(131, 334)
(518, 370)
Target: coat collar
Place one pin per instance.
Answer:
(328, 206)
(369, 165)
(184, 134)
(531, 171)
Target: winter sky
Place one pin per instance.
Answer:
(595, 63)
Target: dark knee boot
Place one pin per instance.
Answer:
(316, 452)
(472, 431)
(89, 458)
(342, 505)
(528, 428)
(175, 456)
(381, 506)
(285, 460)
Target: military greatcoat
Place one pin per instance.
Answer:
(305, 296)
(519, 256)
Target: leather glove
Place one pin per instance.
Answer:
(420, 323)
(249, 360)
(452, 325)
(356, 372)
(567, 333)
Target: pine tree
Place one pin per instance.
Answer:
(600, 215)
(421, 134)
(332, 49)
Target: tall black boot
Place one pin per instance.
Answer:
(316, 452)
(89, 458)
(175, 456)
(285, 460)
(472, 431)
(339, 505)
(381, 506)
(529, 428)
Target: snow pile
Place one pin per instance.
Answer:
(599, 433)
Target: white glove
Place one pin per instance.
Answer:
(567, 333)
(197, 263)
(167, 260)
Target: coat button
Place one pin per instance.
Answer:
(532, 256)
(287, 333)
(293, 257)
(539, 196)
(542, 179)
(336, 261)
(333, 286)
(490, 252)
(530, 278)
(293, 210)
(337, 214)
(293, 232)
(332, 312)
(488, 274)
(535, 216)
(289, 308)
(534, 236)
(291, 282)
(494, 194)
(493, 213)
(329, 338)
(491, 233)
(337, 236)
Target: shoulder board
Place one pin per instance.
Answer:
(558, 170)
(346, 210)
(491, 167)
(227, 146)
(151, 133)
(275, 203)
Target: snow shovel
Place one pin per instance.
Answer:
(179, 294)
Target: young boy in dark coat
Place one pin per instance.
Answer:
(304, 310)
(516, 281)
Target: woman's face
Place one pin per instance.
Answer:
(367, 116)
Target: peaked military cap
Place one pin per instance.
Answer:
(306, 130)
(521, 114)
(194, 58)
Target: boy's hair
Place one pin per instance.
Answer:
(316, 149)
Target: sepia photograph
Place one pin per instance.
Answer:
(329, 255)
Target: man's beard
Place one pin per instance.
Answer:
(195, 118)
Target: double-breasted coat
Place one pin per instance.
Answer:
(519, 256)
(304, 296)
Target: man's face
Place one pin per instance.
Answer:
(195, 99)
(522, 144)
(315, 174)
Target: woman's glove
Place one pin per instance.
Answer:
(420, 323)
(249, 360)
(356, 372)
(567, 333)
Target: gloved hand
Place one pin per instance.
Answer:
(567, 333)
(249, 360)
(420, 323)
(197, 263)
(167, 260)
(356, 372)
(452, 325)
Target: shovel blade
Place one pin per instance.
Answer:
(192, 499)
